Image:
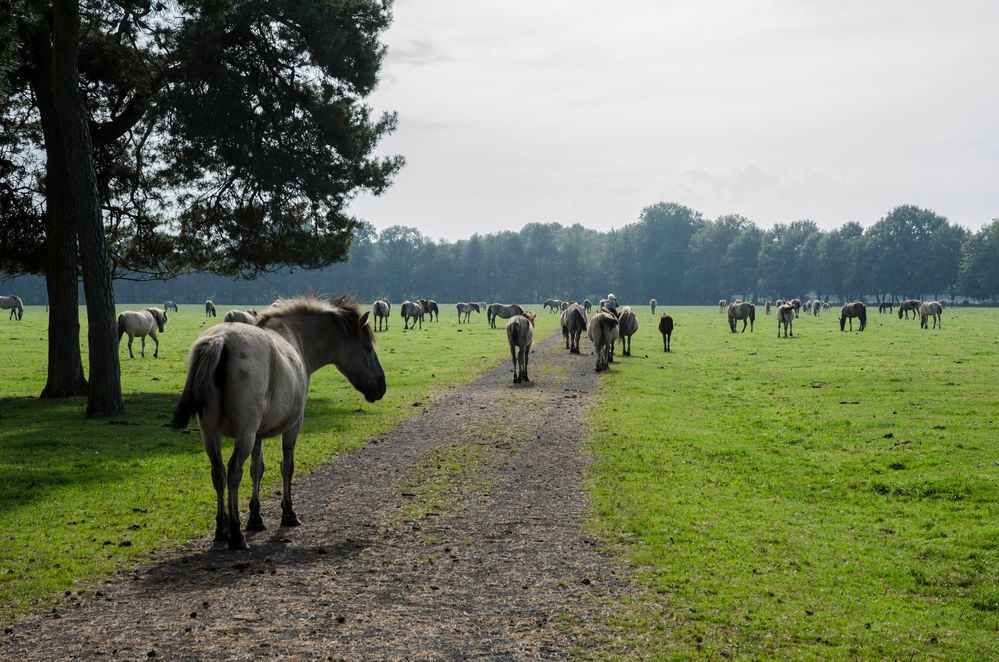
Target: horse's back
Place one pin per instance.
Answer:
(263, 379)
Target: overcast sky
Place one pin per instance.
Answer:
(587, 111)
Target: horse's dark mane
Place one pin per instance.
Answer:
(342, 308)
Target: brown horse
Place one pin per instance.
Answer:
(851, 310)
(906, 306)
(666, 328)
(741, 310)
(627, 326)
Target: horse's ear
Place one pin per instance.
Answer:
(363, 321)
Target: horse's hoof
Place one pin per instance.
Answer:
(290, 520)
(255, 524)
(238, 543)
(527, 380)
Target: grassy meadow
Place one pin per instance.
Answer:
(830, 495)
(83, 498)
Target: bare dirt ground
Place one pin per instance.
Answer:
(459, 535)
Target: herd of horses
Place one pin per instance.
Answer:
(788, 310)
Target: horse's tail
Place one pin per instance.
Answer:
(205, 375)
(513, 335)
(121, 326)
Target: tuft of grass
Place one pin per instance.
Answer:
(84, 498)
(828, 495)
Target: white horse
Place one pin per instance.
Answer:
(14, 304)
(251, 382)
(520, 335)
(242, 316)
(142, 323)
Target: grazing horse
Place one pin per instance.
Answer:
(466, 309)
(602, 331)
(381, 309)
(171, 305)
(520, 335)
(722, 304)
(142, 323)
(411, 310)
(741, 310)
(209, 308)
(587, 306)
(886, 306)
(627, 326)
(766, 307)
(785, 316)
(851, 310)
(666, 328)
(242, 316)
(652, 305)
(930, 309)
(504, 310)
(14, 304)
(430, 309)
(251, 382)
(573, 326)
(906, 306)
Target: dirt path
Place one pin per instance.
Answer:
(458, 535)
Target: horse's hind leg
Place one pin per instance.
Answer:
(244, 446)
(525, 355)
(142, 351)
(156, 339)
(288, 516)
(516, 364)
(213, 446)
(130, 354)
(255, 522)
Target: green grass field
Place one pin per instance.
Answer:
(829, 495)
(82, 498)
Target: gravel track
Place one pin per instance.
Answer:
(458, 535)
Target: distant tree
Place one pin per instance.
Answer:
(979, 269)
(901, 242)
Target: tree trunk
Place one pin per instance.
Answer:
(65, 367)
(102, 336)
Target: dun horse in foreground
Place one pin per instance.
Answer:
(142, 323)
(849, 311)
(14, 304)
(251, 382)
(520, 335)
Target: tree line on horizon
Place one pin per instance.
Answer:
(672, 253)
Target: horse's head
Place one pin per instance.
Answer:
(356, 357)
(160, 316)
(475, 307)
(530, 316)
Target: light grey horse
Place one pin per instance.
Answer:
(171, 305)
(142, 323)
(906, 306)
(412, 310)
(722, 305)
(520, 335)
(209, 308)
(573, 326)
(504, 310)
(929, 309)
(602, 332)
(381, 309)
(652, 305)
(466, 309)
(251, 382)
(627, 326)
(14, 304)
(242, 316)
(785, 318)
(741, 310)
